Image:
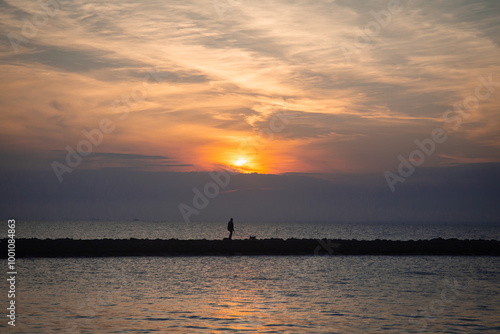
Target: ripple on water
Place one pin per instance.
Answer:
(343, 294)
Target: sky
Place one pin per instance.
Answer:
(318, 100)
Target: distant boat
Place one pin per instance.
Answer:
(135, 220)
(94, 219)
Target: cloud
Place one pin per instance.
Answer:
(462, 193)
(70, 60)
(225, 69)
(130, 156)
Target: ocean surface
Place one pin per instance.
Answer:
(256, 294)
(213, 231)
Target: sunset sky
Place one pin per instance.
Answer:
(273, 87)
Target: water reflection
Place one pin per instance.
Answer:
(284, 294)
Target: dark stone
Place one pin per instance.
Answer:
(144, 247)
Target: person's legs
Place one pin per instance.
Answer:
(230, 234)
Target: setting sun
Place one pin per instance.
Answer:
(245, 164)
(240, 162)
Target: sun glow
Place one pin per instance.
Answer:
(240, 162)
(244, 164)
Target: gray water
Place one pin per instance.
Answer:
(258, 294)
(181, 230)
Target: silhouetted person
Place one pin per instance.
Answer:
(230, 228)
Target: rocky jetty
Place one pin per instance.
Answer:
(172, 247)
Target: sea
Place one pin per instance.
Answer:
(255, 294)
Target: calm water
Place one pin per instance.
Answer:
(257, 294)
(282, 294)
(165, 230)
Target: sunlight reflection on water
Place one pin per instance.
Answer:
(258, 294)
